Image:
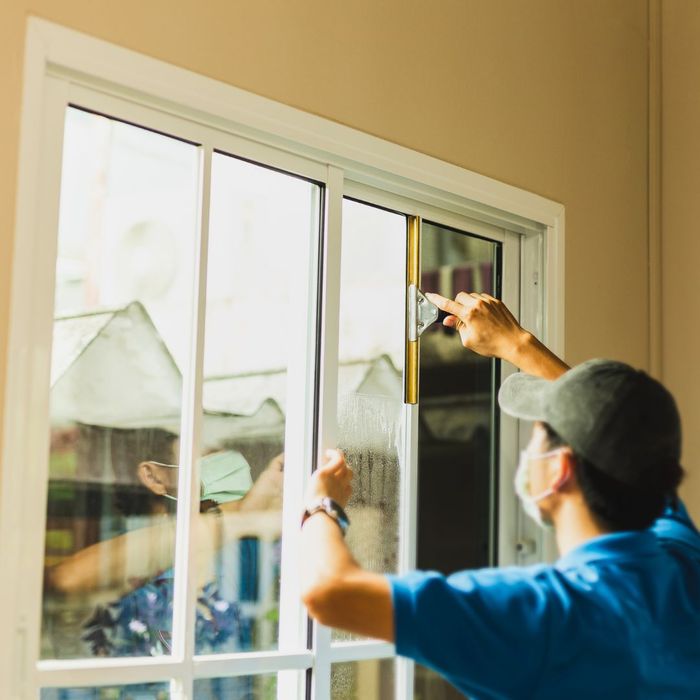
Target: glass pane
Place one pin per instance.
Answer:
(124, 280)
(263, 687)
(261, 222)
(457, 434)
(431, 686)
(363, 680)
(142, 691)
(370, 391)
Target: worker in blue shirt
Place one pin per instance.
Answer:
(617, 616)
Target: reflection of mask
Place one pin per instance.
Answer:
(225, 476)
(522, 487)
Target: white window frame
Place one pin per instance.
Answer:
(64, 66)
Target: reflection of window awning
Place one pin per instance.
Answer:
(112, 369)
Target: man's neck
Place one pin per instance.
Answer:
(574, 525)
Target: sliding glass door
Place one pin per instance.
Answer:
(223, 312)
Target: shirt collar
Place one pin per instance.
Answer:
(618, 545)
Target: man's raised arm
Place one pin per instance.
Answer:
(487, 327)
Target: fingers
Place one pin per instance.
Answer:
(334, 458)
(452, 307)
(277, 462)
(468, 300)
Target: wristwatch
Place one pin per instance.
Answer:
(329, 507)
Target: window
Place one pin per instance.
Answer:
(218, 298)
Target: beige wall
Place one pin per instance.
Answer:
(548, 95)
(680, 222)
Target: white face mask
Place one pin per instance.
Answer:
(225, 476)
(522, 486)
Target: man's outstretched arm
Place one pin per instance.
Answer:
(487, 327)
(335, 589)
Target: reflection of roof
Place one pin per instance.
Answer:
(112, 369)
(242, 394)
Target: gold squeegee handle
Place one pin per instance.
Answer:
(412, 359)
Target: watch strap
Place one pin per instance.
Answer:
(331, 508)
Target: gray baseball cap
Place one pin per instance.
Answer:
(614, 416)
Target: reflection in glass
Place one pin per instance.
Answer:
(363, 680)
(124, 279)
(457, 455)
(259, 225)
(263, 687)
(370, 385)
(142, 691)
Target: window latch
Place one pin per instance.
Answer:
(421, 313)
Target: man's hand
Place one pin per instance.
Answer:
(487, 327)
(334, 588)
(266, 492)
(485, 324)
(333, 479)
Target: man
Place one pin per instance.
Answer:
(617, 616)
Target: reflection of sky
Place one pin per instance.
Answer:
(127, 223)
(128, 232)
(260, 223)
(373, 277)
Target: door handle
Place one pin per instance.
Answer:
(412, 358)
(420, 312)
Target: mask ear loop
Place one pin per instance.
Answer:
(559, 483)
(170, 466)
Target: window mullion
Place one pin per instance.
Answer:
(408, 517)
(343, 652)
(508, 518)
(299, 440)
(408, 505)
(185, 594)
(328, 387)
(105, 672)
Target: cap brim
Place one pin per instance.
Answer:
(524, 396)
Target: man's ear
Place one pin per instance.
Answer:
(566, 469)
(148, 476)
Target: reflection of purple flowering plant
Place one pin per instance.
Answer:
(139, 623)
(218, 621)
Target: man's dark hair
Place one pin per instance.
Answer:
(617, 506)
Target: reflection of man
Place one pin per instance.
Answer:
(617, 616)
(225, 480)
(137, 566)
(142, 553)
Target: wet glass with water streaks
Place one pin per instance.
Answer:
(370, 385)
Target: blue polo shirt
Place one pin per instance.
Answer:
(617, 618)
